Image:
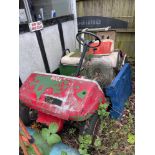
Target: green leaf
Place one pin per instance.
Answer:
(87, 139)
(45, 133)
(63, 153)
(105, 105)
(99, 112)
(83, 151)
(81, 139)
(101, 106)
(53, 139)
(83, 146)
(90, 56)
(131, 138)
(53, 128)
(104, 111)
(31, 150)
(72, 131)
(97, 142)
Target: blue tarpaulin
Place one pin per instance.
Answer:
(119, 91)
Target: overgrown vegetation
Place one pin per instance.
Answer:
(115, 137)
(49, 134)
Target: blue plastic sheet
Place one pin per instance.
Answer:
(57, 149)
(119, 91)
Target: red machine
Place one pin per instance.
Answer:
(106, 47)
(58, 98)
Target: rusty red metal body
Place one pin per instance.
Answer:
(105, 48)
(59, 98)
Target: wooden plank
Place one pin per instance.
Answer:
(110, 34)
(126, 42)
(120, 9)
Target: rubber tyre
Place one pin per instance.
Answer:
(24, 114)
(91, 125)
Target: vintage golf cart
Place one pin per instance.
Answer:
(89, 78)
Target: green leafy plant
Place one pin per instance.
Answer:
(97, 142)
(31, 150)
(102, 110)
(49, 134)
(63, 153)
(85, 141)
(103, 125)
(72, 131)
(131, 138)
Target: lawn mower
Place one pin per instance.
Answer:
(58, 98)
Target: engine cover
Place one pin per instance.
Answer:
(65, 97)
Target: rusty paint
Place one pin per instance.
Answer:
(65, 84)
(77, 87)
(78, 99)
(82, 94)
(44, 83)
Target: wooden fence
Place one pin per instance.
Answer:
(119, 9)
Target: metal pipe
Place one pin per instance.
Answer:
(81, 60)
(82, 36)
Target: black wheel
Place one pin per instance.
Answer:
(90, 126)
(26, 114)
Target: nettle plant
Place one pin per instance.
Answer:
(102, 110)
(49, 134)
(84, 142)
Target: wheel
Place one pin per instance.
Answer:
(90, 126)
(26, 114)
(87, 43)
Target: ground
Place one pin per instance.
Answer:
(117, 136)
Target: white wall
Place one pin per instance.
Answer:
(52, 46)
(69, 33)
(29, 51)
(30, 59)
